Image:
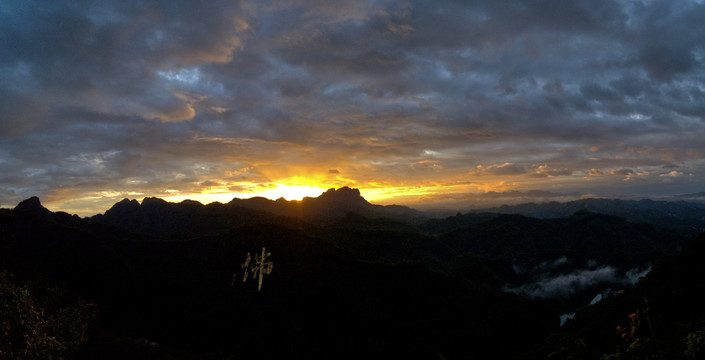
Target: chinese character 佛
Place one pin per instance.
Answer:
(258, 268)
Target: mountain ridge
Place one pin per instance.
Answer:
(686, 217)
(159, 217)
(345, 284)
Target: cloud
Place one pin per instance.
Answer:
(622, 172)
(21, 114)
(671, 49)
(209, 183)
(501, 169)
(543, 170)
(672, 174)
(566, 285)
(596, 172)
(297, 88)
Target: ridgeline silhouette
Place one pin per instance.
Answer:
(350, 279)
(190, 218)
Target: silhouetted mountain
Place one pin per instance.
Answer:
(127, 213)
(189, 219)
(685, 217)
(585, 234)
(178, 221)
(343, 198)
(698, 196)
(348, 278)
(386, 240)
(32, 205)
(330, 206)
(320, 301)
(661, 318)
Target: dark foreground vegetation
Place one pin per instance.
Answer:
(342, 278)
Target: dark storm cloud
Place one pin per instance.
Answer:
(103, 97)
(672, 38)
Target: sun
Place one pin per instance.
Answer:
(292, 192)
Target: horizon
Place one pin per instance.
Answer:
(414, 103)
(487, 200)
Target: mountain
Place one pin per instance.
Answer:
(586, 234)
(178, 221)
(685, 217)
(340, 278)
(662, 317)
(192, 299)
(567, 259)
(699, 196)
(330, 206)
(189, 219)
(34, 206)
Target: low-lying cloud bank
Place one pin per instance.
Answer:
(567, 285)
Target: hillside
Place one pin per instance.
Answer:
(661, 318)
(189, 219)
(685, 217)
(342, 278)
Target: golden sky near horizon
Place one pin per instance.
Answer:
(412, 102)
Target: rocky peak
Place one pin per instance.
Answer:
(32, 205)
(343, 196)
(124, 206)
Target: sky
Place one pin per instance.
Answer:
(412, 102)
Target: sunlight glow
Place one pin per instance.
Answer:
(292, 188)
(292, 192)
(288, 192)
(408, 195)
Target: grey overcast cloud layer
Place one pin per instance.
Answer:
(101, 100)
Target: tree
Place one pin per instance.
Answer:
(40, 327)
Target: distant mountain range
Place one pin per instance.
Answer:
(158, 216)
(330, 205)
(190, 218)
(349, 280)
(686, 217)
